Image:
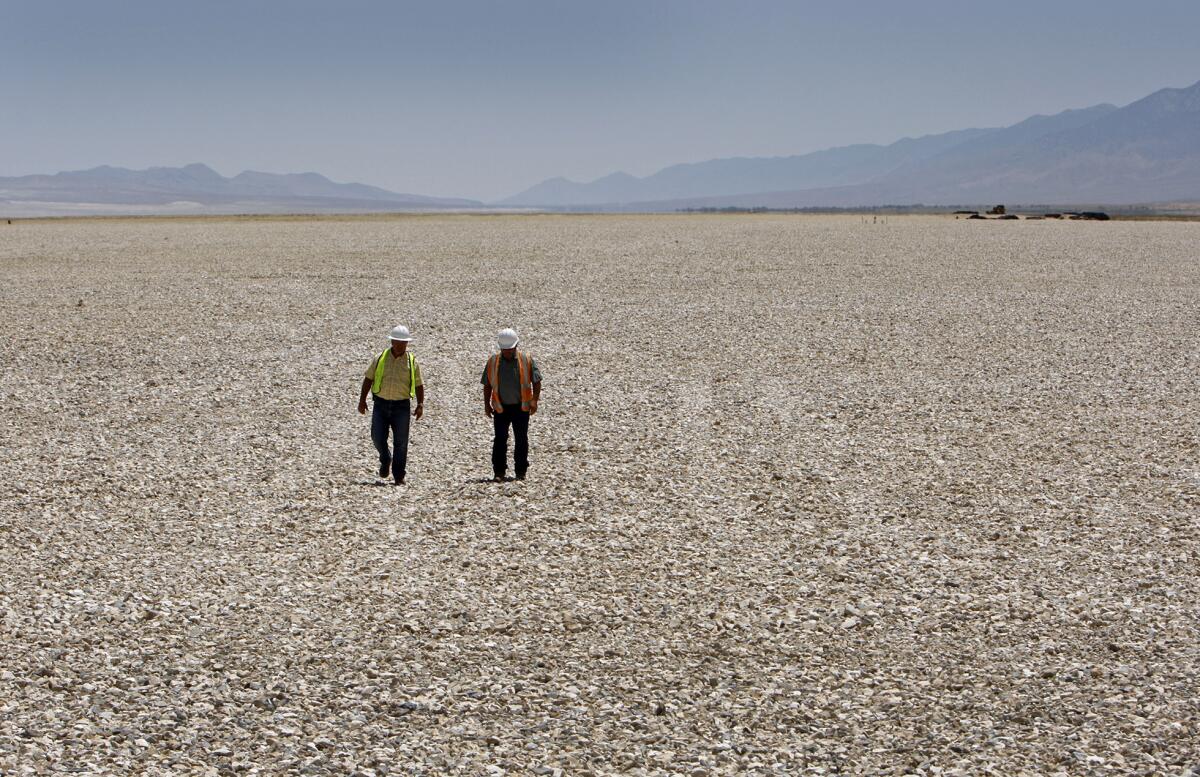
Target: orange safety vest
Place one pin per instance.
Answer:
(524, 373)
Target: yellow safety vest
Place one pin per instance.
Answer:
(524, 374)
(412, 374)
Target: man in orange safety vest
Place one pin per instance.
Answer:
(512, 385)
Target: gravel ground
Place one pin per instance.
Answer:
(808, 496)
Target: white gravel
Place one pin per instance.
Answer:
(808, 496)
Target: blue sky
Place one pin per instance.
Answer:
(482, 99)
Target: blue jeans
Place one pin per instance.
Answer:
(394, 415)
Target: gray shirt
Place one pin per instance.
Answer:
(510, 379)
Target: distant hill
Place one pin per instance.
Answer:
(746, 175)
(1148, 151)
(199, 188)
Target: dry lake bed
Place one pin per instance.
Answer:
(808, 496)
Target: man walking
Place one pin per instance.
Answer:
(394, 380)
(512, 384)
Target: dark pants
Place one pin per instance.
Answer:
(394, 415)
(513, 416)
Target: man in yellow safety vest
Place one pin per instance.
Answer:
(394, 380)
(512, 384)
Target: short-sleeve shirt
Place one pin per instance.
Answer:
(396, 383)
(510, 379)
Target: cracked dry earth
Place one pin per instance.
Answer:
(808, 496)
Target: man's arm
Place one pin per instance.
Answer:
(419, 390)
(362, 395)
(537, 394)
(487, 400)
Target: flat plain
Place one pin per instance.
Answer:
(809, 496)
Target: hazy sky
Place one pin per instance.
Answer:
(482, 99)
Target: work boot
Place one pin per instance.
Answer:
(498, 479)
(520, 476)
(384, 469)
(400, 481)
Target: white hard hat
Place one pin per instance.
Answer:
(400, 333)
(507, 338)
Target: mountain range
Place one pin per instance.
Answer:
(199, 188)
(1145, 152)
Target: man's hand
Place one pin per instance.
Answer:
(420, 411)
(532, 408)
(362, 407)
(487, 411)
